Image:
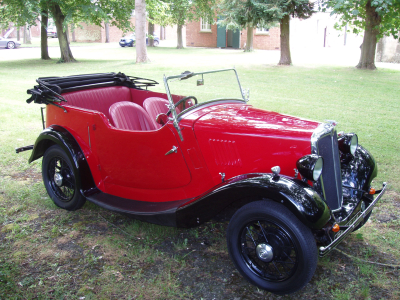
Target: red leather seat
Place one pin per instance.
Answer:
(155, 106)
(130, 116)
(99, 99)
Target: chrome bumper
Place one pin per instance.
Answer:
(325, 250)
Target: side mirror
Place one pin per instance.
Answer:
(162, 119)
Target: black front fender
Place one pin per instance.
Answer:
(299, 198)
(57, 135)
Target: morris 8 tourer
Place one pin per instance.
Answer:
(179, 158)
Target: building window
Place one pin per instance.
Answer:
(205, 25)
(262, 30)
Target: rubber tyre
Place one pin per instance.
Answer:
(155, 43)
(10, 45)
(285, 233)
(65, 193)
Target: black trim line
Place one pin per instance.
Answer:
(161, 213)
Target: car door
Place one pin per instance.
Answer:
(140, 160)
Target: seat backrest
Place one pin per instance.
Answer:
(99, 99)
(155, 106)
(130, 116)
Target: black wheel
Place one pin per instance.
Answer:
(271, 248)
(10, 45)
(155, 43)
(60, 180)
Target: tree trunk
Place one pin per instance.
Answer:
(107, 28)
(162, 33)
(151, 32)
(28, 35)
(66, 54)
(24, 37)
(67, 35)
(18, 33)
(179, 35)
(368, 47)
(285, 45)
(249, 40)
(43, 35)
(73, 33)
(140, 30)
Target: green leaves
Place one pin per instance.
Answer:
(261, 12)
(353, 12)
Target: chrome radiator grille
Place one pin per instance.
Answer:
(324, 143)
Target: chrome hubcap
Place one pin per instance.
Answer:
(264, 252)
(58, 179)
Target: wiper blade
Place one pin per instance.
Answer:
(186, 75)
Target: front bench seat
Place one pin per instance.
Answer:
(130, 116)
(155, 106)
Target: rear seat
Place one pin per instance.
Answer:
(99, 99)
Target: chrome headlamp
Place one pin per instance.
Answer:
(310, 166)
(348, 143)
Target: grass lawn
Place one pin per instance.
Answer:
(46, 252)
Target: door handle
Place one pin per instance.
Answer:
(173, 150)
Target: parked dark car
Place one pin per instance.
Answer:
(179, 158)
(129, 40)
(52, 32)
(9, 43)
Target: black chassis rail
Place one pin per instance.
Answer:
(342, 235)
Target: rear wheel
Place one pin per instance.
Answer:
(60, 180)
(271, 248)
(155, 43)
(10, 45)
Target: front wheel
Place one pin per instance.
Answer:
(60, 180)
(271, 248)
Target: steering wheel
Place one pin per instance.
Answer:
(182, 100)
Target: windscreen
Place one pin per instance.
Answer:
(206, 87)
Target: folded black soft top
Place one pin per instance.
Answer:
(49, 89)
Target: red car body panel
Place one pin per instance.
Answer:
(236, 139)
(148, 174)
(217, 139)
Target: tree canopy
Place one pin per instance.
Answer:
(238, 14)
(375, 18)
(261, 13)
(182, 11)
(21, 12)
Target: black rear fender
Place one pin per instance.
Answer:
(57, 135)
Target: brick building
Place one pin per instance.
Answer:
(203, 34)
(89, 33)
(92, 33)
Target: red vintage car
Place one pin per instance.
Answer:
(179, 158)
